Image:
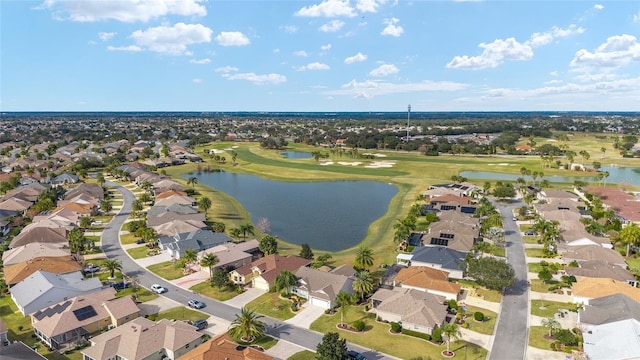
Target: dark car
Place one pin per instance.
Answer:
(195, 304)
(355, 355)
(200, 324)
(140, 241)
(120, 285)
(529, 233)
(91, 269)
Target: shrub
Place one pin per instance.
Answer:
(479, 316)
(453, 305)
(465, 325)
(416, 334)
(358, 325)
(396, 327)
(566, 337)
(437, 335)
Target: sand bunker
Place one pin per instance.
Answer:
(380, 164)
(216, 151)
(327, 163)
(376, 155)
(355, 163)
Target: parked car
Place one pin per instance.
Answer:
(193, 303)
(90, 269)
(96, 223)
(515, 218)
(120, 285)
(200, 324)
(158, 289)
(140, 241)
(355, 355)
(530, 233)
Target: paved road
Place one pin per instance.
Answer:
(511, 338)
(278, 329)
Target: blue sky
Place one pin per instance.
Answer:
(332, 55)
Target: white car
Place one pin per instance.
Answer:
(157, 289)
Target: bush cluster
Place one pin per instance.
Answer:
(396, 327)
(479, 316)
(358, 325)
(416, 334)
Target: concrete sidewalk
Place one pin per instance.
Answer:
(476, 338)
(539, 354)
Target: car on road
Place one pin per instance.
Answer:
(193, 303)
(200, 324)
(355, 355)
(90, 269)
(158, 289)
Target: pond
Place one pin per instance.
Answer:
(296, 155)
(617, 175)
(332, 216)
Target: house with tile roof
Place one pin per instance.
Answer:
(198, 240)
(15, 204)
(262, 273)
(172, 228)
(437, 257)
(15, 273)
(71, 321)
(586, 289)
(232, 255)
(143, 339)
(417, 310)
(33, 250)
(93, 190)
(169, 216)
(52, 289)
(222, 347)
(429, 280)
(321, 288)
(40, 235)
(601, 269)
(609, 309)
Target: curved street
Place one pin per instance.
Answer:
(512, 329)
(278, 329)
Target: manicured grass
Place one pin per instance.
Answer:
(138, 252)
(128, 239)
(536, 267)
(550, 307)
(266, 342)
(205, 289)
(530, 239)
(143, 294)
(486, 294)
(534, 252)
(484, 327)
(303, 355)
(538, 286)
(270, 304)
(166, 270)
(536, 338)
(179, 313)
(376, 336)
(634, 265)
(498, 251)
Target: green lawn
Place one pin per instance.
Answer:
(536, 267)
(376, 336)
(303, 355)
(486, 294)
(550, 307)
(166, 270)
(143, 294)
(498, 251)
(534, 253)
(634, 265)
(270, 304)
(128, 239)
(205, 289)
(536, 338)
(484, 327)
(538, 286)
(530, 239)
(179, 313)
(266, 342)
(138, 252)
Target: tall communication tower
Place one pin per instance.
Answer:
(408, 116)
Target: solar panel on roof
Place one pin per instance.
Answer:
(85, 313)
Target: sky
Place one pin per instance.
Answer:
(326, 56)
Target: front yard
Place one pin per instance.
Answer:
(178, 313)
(538, 286)
(271, 304)
(376, 336)
(482, 292)
(205, 289)
(484, 327)
(550, 307)
(141, 252)
(166, 270)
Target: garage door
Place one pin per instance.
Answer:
(320, 303)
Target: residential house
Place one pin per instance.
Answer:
(222, 347)
(29, 193)
(452, 235)
(172, 216)
(437, 257)
(93, 190)
(52, 288)
(15, 273)
(261, 274)
(321, 288)
(173, 208)
(64, 179)
(179, 226)
(601, 269)
(429, 280)
(5, 227)
(549, 195)
(198, 240)
(232, 255)
(459, 189)
(609, 309)
(82, 199)
(175, 199)
(166, 185)
(416, 310)
(451, 202)
(73, 320)
(591, 252)
(626, 206)
(15, 204)
(586, 289)
(143, 339)
(33, 250)
(40, 235)
(17, 350)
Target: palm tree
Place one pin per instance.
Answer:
(247, 326)
(285, 280)
(247, 228)
(364, 258)
(190, 256)
(344, 299)
(235, 233)
(209, 260)
(78, 242)
(451, 331)
(204, 204)
(363, 283)
(552, 324)
(112, 265)
(630, 235)
(192, 181)
(85, 222)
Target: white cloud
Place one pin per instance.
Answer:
(232, 38)
(540, 39)
(598, 6)
(328, 8)
(314, 66)
(275, 51)
(125, 11)
(636, 17)
(554, 73)
(300, 53)
(332, 26)
(291, 29)
(197, 81)
(369, 5)
(172, 40)
(359, 57)
(493, 55)
(226, 69)
(384, 70)
(616, 52)
(554, 81)
(325, 47)
(371, 88)
(392, 29)
(200, 61)
(258, 79)
(106, 36)
(130, 48)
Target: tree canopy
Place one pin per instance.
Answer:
(332, 347)
(491, 273)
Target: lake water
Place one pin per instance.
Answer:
(296, 154)
(329, 216)
(617, 175)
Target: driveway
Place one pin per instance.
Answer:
(309, 314)
(284, 350)
(246, 297)
(188, 281)
(156, 259)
